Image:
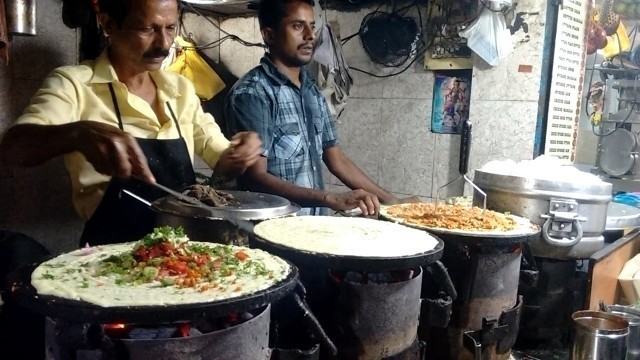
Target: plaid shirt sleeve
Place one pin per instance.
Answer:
(245, 110)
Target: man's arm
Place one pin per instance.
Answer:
(256, 178)
(110, 150)
(351, 175)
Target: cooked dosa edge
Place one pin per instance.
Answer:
(209, 195)
(345, 236)
(453, 217)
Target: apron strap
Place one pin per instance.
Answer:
(175, 120)
(119, 116)
(115, 106)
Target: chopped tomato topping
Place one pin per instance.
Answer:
(242, 256)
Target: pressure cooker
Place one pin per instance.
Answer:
(572, 214)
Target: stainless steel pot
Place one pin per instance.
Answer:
(632, 315)
(572, 215)
(200, 226)
(599, 335)
(21, 17)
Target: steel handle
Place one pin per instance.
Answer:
(562, 242)
(441, 276)
(465, 147)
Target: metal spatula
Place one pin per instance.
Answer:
(463, 166)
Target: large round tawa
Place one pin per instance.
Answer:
(83, 312)
(344, 243)
(247, 205)
(524, 231)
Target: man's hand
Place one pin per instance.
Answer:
(245, 150)
(112, 151)
(367, 202)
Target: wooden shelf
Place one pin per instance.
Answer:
(604, 268)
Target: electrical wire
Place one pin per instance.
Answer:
(617, 126)
(228, 36)
(419, 52)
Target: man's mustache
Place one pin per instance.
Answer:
(155, 53)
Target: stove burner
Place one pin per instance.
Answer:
(240, 335)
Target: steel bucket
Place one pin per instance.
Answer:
(633, 317)
(21, 16)
(599, 335)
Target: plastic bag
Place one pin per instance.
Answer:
(488, 35)
(190, 64)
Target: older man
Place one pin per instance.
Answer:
(121, 122)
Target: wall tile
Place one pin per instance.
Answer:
(407, 146)
(359, 132)
(365, 86)
(203, 33)
(22, 96)
(33, 57)
(6, 98)
(414, 83)
(238, 58)
(504, 134)
(445, 166)
(43, 207)
(505, 81)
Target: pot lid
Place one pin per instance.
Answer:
(585, 189)
(616, 157)
(622, 216)
(246, 205)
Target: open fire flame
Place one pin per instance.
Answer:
(123, 331)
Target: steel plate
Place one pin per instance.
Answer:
(622, 216)
(80, 312)
(251, 206)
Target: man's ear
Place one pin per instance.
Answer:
(268, 35)
(106, 23)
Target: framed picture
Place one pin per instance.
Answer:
(451, 94)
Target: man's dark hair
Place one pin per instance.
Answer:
(117, 9)
(271, 12)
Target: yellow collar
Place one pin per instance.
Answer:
(104, 73)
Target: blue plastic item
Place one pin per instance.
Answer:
(632, 199)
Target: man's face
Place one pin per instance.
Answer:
(292, 43)
(146, 35)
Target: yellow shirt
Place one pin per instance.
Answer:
(81, 92)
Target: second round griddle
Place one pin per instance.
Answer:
(352, 261)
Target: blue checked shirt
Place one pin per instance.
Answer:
(294, 124)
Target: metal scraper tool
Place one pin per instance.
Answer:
(463, 166)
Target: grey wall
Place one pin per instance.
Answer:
(37, 201)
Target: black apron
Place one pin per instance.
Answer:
(120, 218)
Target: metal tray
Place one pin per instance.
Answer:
(80, 312)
